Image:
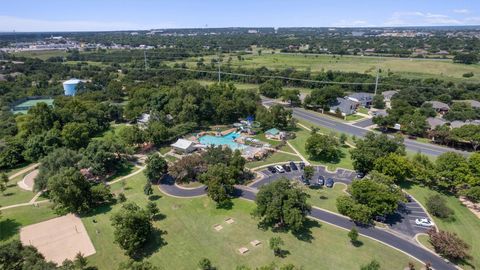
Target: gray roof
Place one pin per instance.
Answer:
(361, 96)
(346, 106)
(457, 124)
(471, 102)
(434, 122)
(438, 105)
(389, 94)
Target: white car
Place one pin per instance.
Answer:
(425, 222)
(279, 169)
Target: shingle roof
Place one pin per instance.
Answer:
(182, 144)
(346, 106)
(272, 131)
(389, 94)
(438, 105)
(361, 96)
(434, 122)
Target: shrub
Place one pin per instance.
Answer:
(468, 75)
(437, 206)
(473, 194)
(449, 245)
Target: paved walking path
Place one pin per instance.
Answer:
(141, 168)
(167, 186)
(298, 153)
(27, 169)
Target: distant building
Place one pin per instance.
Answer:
(23, 105)
(387, 95)
(434, 122)
(143, 120)
(183, 146)
(70, 87)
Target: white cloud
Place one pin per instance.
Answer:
(416, 18)
(9, 23)
(461, 11)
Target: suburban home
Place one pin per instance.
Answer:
(345, 106)
(457, 124)
(362, 98)
(439, 107)
(473, 103)
(143, 120)
(275, 134)
(183, 146)
(434, 122)
(387, 95)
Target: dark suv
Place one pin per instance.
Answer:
(293, 166)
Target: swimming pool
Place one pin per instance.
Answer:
(222, 140)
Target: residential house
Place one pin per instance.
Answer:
(362, 98)
(473, 103)
(457, 124)
(439, 107)
(434, 122)
(183, 146)
(387, 95)
(345, 106)
(143, 120)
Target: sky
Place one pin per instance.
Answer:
(104, 15)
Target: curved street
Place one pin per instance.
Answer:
(167, 186)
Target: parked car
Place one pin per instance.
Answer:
(425, 222)
(279, 169)
(286, 167)
(360, 175)
(272, 169)
(304, 180)
(293, 166)
(380, 219)
(321, 180)
(408, 198)
(301, 165)
(329, 183)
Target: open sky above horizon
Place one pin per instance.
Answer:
(104, 15)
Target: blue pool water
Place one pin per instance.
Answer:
(222, 140)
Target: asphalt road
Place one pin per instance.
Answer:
(412, 145)
(390, 239)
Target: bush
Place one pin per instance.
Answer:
(468, 75)
(449, 245)
(437, 206)
(473, 194)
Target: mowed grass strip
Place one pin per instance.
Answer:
(466, 225)
(189, 236)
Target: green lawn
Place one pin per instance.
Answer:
(424, 240)
(299, 144)
(362, 110)
(164, 149)
(189, 235)
(409, 68)
(43, 55)
(466, 224)
(274, 158)
(15, 194)
(353, 117)
(326, 198)
(324, 130)
(14, 218)
(13, 171)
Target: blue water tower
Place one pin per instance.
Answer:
(70, 87)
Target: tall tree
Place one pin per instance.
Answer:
(282, 204)
(323, 147)
(156, 167)
(219, 181)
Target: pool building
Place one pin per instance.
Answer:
(23, 105)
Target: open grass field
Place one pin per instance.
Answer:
(299, 143)
(43, 55)
(14, 218)
(14, 194)
(326, 198)
(466, 224)
(188, 235)
(410, 68)
(274, 158)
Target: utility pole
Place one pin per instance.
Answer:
(219, 76)
(376, 81)
(145, 58)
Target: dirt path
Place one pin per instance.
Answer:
(29, 168)
(127, 176)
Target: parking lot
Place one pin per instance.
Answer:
(340, 175)
(402, 221)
